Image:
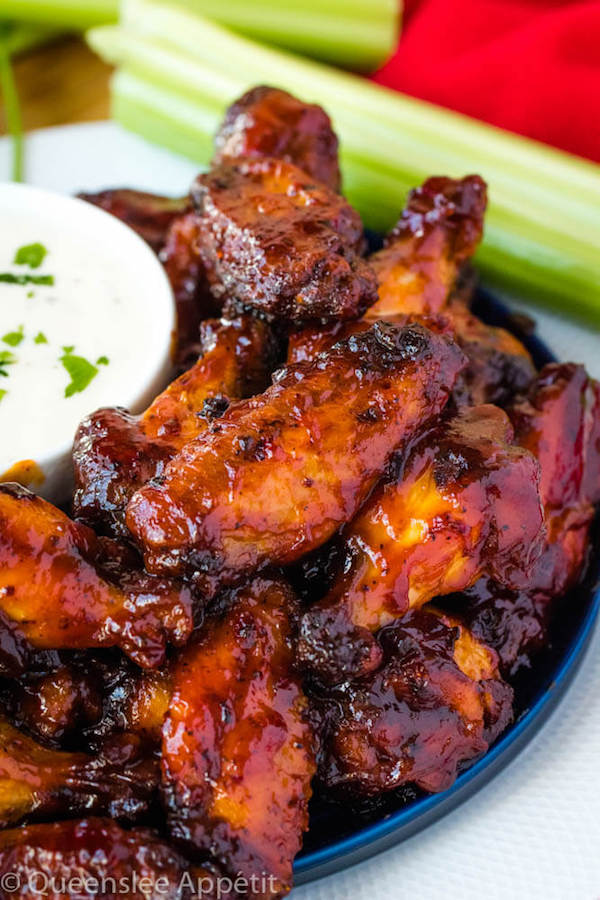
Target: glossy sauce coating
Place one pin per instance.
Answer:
(278, 474)
(464, 503)
(438, 231)
(86, 849)
(51, 586)
(559, 422)
(237, 755)
(115, 453)
(266, 121)
(436, 703)
(36, 781)
(275, 240)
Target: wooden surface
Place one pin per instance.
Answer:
(60, 83)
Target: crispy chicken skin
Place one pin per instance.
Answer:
(464, 503)
(150, 215)
(274, 239)
(237, 755)
(52, 585)
(559, 422)
(115, 453)
(277, 475)
(439, 231)
(61, 853)
(40, 782)
(437, 703)
(266, 121)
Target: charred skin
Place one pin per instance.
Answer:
(92, 848)
(150, 215)
(275, 240)
(115, 453)
(39, 782)
(465, 503)
(278, 474)
(266, 121)
(512, 623)
(436, 703)
(53, 587)
(237, 753)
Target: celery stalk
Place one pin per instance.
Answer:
(23, 36)
(68, 14)
(543, 229)
(10, 100)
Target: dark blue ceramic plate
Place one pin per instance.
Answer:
(339, 838)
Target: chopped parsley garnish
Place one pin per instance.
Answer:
(102, 361)
(14, 338)
(40, 338)
(6, 359)
(80, 370)
(31, 255)
(3, 395)
(11, 278)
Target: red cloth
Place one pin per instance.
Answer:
(531, 66)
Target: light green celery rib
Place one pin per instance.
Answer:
(360, 34)
(479, 145)
(371, 140)
(511, 257)
(10, 100)
(69, 14)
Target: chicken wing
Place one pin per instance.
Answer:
(438, 232)
(465, 503)
(150, 215)
(89, 858)
(266, 121)
(513, 623)
(274, 239)
(36, 781)
(278, 474)
(52, 585)
(437, 703)
(115, 453)
(238, 755)
(559, 422)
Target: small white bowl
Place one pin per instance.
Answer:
(110, 300)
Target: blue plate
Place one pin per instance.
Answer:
(339, 838)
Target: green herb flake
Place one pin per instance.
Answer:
(30, 294)
(3, 395)
(80, 370)
(11, 278)
(14, 338)
(40, 338)
(31, 255)
(6, 359)
(102, 361)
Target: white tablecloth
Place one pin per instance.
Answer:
(533, 833)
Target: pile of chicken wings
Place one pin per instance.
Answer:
(316, 561)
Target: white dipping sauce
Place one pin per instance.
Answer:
(110, 302)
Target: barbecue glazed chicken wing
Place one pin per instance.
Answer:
(436, 703)
(54, 586)
(275, 240)
(39, 782)
(268, 122)
(150, 215)
(277, 475)
(421, 260)
(57, 854)
(115, 453)
(237, 752)
(464, 503)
